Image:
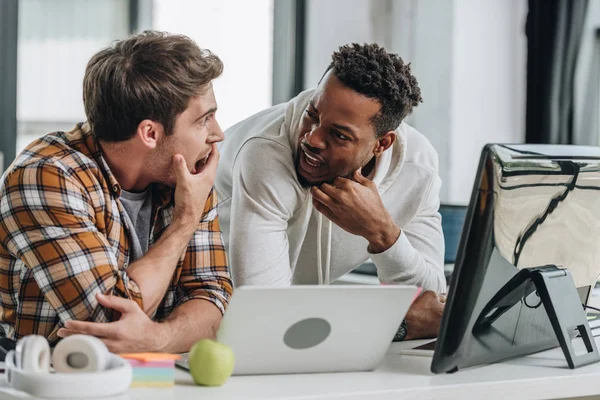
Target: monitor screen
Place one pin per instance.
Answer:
(531, 205)
(453, 219)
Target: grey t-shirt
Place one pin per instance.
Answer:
(138, 209)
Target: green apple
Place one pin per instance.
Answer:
(211, 363)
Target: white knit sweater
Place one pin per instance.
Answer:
(270, 226)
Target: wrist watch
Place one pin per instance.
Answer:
(401, 333)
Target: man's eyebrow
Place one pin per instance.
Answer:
(212, 110)
(344, 128)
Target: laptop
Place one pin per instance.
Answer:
(310, 329)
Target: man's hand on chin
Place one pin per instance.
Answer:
(356, 206)
(424, 316)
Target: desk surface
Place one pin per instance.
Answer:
(541, 376)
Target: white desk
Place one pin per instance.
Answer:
(540, 376)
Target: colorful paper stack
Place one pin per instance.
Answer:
(152, 369)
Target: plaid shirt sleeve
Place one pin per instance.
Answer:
(205, 271)
(48, 222)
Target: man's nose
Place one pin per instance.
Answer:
(217, 135)
(316, 139)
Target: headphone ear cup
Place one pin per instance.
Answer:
(19, 352)
(32, 354)
(80, 353)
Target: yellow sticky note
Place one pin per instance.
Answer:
(147, 357)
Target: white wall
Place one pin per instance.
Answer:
(329, 25)
(240, 32)
(421, 34)
(488, 84)
(56, 40)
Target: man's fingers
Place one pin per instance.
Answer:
(210, 167)
(330, 191)
(98, 329)
(64, 332)
(116, 303)
(358, 176)
(322, 197)
(342, 183)
(323, 209)
(180, 167)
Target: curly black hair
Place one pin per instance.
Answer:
(370, 70)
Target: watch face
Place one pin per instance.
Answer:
(401, 333)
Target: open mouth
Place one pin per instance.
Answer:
(200, 164)
(310, 162)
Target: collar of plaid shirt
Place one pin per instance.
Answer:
(165, 193)
(63, 239)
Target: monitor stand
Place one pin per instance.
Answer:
(557, 293)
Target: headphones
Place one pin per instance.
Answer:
(82, 368)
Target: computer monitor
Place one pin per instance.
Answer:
(531, 205)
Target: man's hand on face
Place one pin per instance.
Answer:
(356, 206)
(424, 316)
(133, 332)
(191, 190)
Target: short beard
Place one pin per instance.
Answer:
(307, 185)
(303, 182)
(160, 163)
(367, 168)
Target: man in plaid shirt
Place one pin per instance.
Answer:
(112, 229)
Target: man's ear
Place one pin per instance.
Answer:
(384, 142)
(149, 132)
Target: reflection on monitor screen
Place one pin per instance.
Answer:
(531, 205)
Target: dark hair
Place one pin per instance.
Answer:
(370, 70)
(152, 75)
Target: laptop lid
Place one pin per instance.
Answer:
(304, 329)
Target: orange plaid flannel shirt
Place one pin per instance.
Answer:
(63, 239)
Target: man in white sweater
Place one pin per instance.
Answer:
(312, 188)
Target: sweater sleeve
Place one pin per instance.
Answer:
(264, 197)
(417, 256)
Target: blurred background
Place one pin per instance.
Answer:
(490, 70)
